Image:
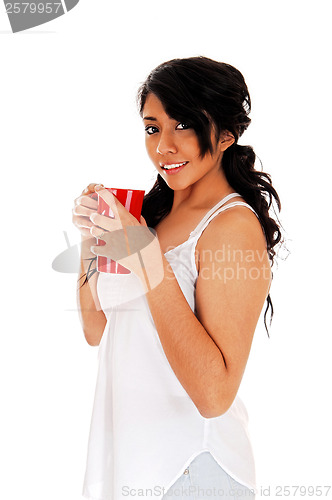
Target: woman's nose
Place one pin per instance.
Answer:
(166, 145)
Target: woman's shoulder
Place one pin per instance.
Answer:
(236, 225)
(232, 248)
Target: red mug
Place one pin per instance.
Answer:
(132, 200)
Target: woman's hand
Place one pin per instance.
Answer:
(85, 205)
(128, 241)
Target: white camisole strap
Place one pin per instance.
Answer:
(210, 212)
(202, 225)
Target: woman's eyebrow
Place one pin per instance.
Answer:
(150, 118)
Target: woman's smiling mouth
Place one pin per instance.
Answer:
(172, 168)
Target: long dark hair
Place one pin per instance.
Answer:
(202, 92)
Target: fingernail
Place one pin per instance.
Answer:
(99, 186)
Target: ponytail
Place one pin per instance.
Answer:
(256, 189)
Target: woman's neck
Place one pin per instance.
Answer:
(203, 194)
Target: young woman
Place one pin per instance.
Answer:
(175, 334)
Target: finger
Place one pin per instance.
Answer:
(143, 221)
(87, 189)
(90, 188)
(111, 200)
(82, 210)
(87, 201)
(96, 250)
(98, 186)
(97, 232)
(105, 222)
(82, 222)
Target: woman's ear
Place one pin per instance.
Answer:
(226, 140)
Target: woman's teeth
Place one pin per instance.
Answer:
(174, 165)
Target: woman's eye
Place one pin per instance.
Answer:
(183, 126)
(149, 130)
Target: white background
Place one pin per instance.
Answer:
(68, 117)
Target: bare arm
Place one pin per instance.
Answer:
(208, 353)
(92, 316)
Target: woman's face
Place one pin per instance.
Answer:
(171, 143)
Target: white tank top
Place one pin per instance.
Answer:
(145, 430)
